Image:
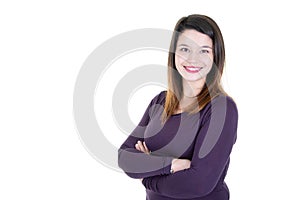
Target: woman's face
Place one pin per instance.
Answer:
(194, 55)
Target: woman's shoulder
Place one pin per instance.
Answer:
(219, 108)
(224, 98)
(159, 98)
(221, 102)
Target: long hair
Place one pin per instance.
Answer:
(212, 86)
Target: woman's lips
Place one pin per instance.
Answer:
(192, 69)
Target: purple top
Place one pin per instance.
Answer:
(206, 138)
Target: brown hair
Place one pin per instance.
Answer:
(212, 86)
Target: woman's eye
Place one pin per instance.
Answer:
(204, 51)
(183, 49)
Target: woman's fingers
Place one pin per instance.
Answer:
(141, 146)
(146, 148)
(137, 147)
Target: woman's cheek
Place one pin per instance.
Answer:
(178, 61)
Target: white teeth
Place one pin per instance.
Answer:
(193, 68)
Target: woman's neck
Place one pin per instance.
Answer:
(192, 88)
(190, 92)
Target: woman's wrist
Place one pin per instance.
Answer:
(172, 170)
(179, 164)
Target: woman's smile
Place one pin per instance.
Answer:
(192, 69)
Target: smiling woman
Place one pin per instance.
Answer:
(181, 147)
(194, 55)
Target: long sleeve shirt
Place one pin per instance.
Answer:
(206, 138)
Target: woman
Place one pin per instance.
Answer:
(181, 147)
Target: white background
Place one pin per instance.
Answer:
(44, 44)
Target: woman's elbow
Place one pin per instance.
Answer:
(125, 165)
(200, 187)
(122, 161)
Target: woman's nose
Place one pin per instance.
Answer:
(197, 58)
(193, 57)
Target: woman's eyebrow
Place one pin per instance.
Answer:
(183, 45)
(205, 46)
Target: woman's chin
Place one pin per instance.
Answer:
(191, 77)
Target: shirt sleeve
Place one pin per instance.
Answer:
(210, 156)
(137, 164)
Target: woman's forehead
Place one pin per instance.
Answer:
(194, 38)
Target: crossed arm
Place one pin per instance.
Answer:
(194, 178)
(176, 164)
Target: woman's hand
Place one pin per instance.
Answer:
(177, 164)
(180, 164)
(141, 146)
